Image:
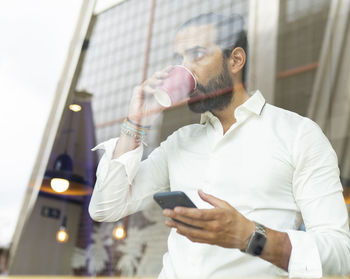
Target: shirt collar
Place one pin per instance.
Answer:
(254, 104)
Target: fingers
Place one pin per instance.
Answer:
(149, 86)
(143, 104)
(191, 214)
(153, 82)
(216, 202)
(168, 68)
(143, 92)
(161, 74)
(158, 77)
(191, 222)
(194, 234)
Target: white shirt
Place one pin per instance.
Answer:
(274, 166)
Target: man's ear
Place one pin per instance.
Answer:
(237, 60)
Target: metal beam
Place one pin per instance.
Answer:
(63, 89)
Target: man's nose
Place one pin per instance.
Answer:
(186, 63)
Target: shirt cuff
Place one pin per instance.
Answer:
(304, 259)
(130, 160)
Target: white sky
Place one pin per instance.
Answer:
(35, 36)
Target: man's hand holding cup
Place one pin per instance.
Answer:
(144, 107)
(166, 88)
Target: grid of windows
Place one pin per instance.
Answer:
(114, 61)
(298, 9)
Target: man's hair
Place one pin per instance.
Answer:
(230, 33)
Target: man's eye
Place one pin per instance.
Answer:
(196, 55)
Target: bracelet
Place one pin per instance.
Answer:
(137, 137)
(133, 130)
(137, 125)
(138, 129)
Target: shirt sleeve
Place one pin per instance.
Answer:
(126, 185)
(324, 248)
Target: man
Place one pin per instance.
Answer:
(259, 172)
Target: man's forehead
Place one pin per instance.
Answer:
(193, 36)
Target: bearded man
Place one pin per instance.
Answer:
(255, 171)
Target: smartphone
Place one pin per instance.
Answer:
(169, 200)
(172, 199)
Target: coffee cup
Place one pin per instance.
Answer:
(176, 87)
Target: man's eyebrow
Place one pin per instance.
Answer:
(189, 50)
(192, 49)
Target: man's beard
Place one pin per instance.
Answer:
(216, 95)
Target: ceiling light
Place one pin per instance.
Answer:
(75, 107)
(119, 232)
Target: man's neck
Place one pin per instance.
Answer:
(226, 116)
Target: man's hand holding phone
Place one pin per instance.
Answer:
(171, 200)
(222, 225)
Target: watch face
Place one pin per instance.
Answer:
(257, 240)
(259, 236)
(258, 250)
(257, 244)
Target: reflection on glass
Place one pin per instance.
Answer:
(75, 107)
(59, 185)
(62, 235)
(119, 232)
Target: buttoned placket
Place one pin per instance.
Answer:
(240, 115)
(218, 138)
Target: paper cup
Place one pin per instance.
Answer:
(176, 87)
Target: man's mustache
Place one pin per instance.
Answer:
(194, 98)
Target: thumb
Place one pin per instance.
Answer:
(212, 200)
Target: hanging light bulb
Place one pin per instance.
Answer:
(119, 232)
(61, 178)
(75, 107)
(63, 165)
(59, 185)
(62, 235)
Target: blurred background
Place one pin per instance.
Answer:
(67, 69)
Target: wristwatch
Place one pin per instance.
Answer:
(256, 241)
